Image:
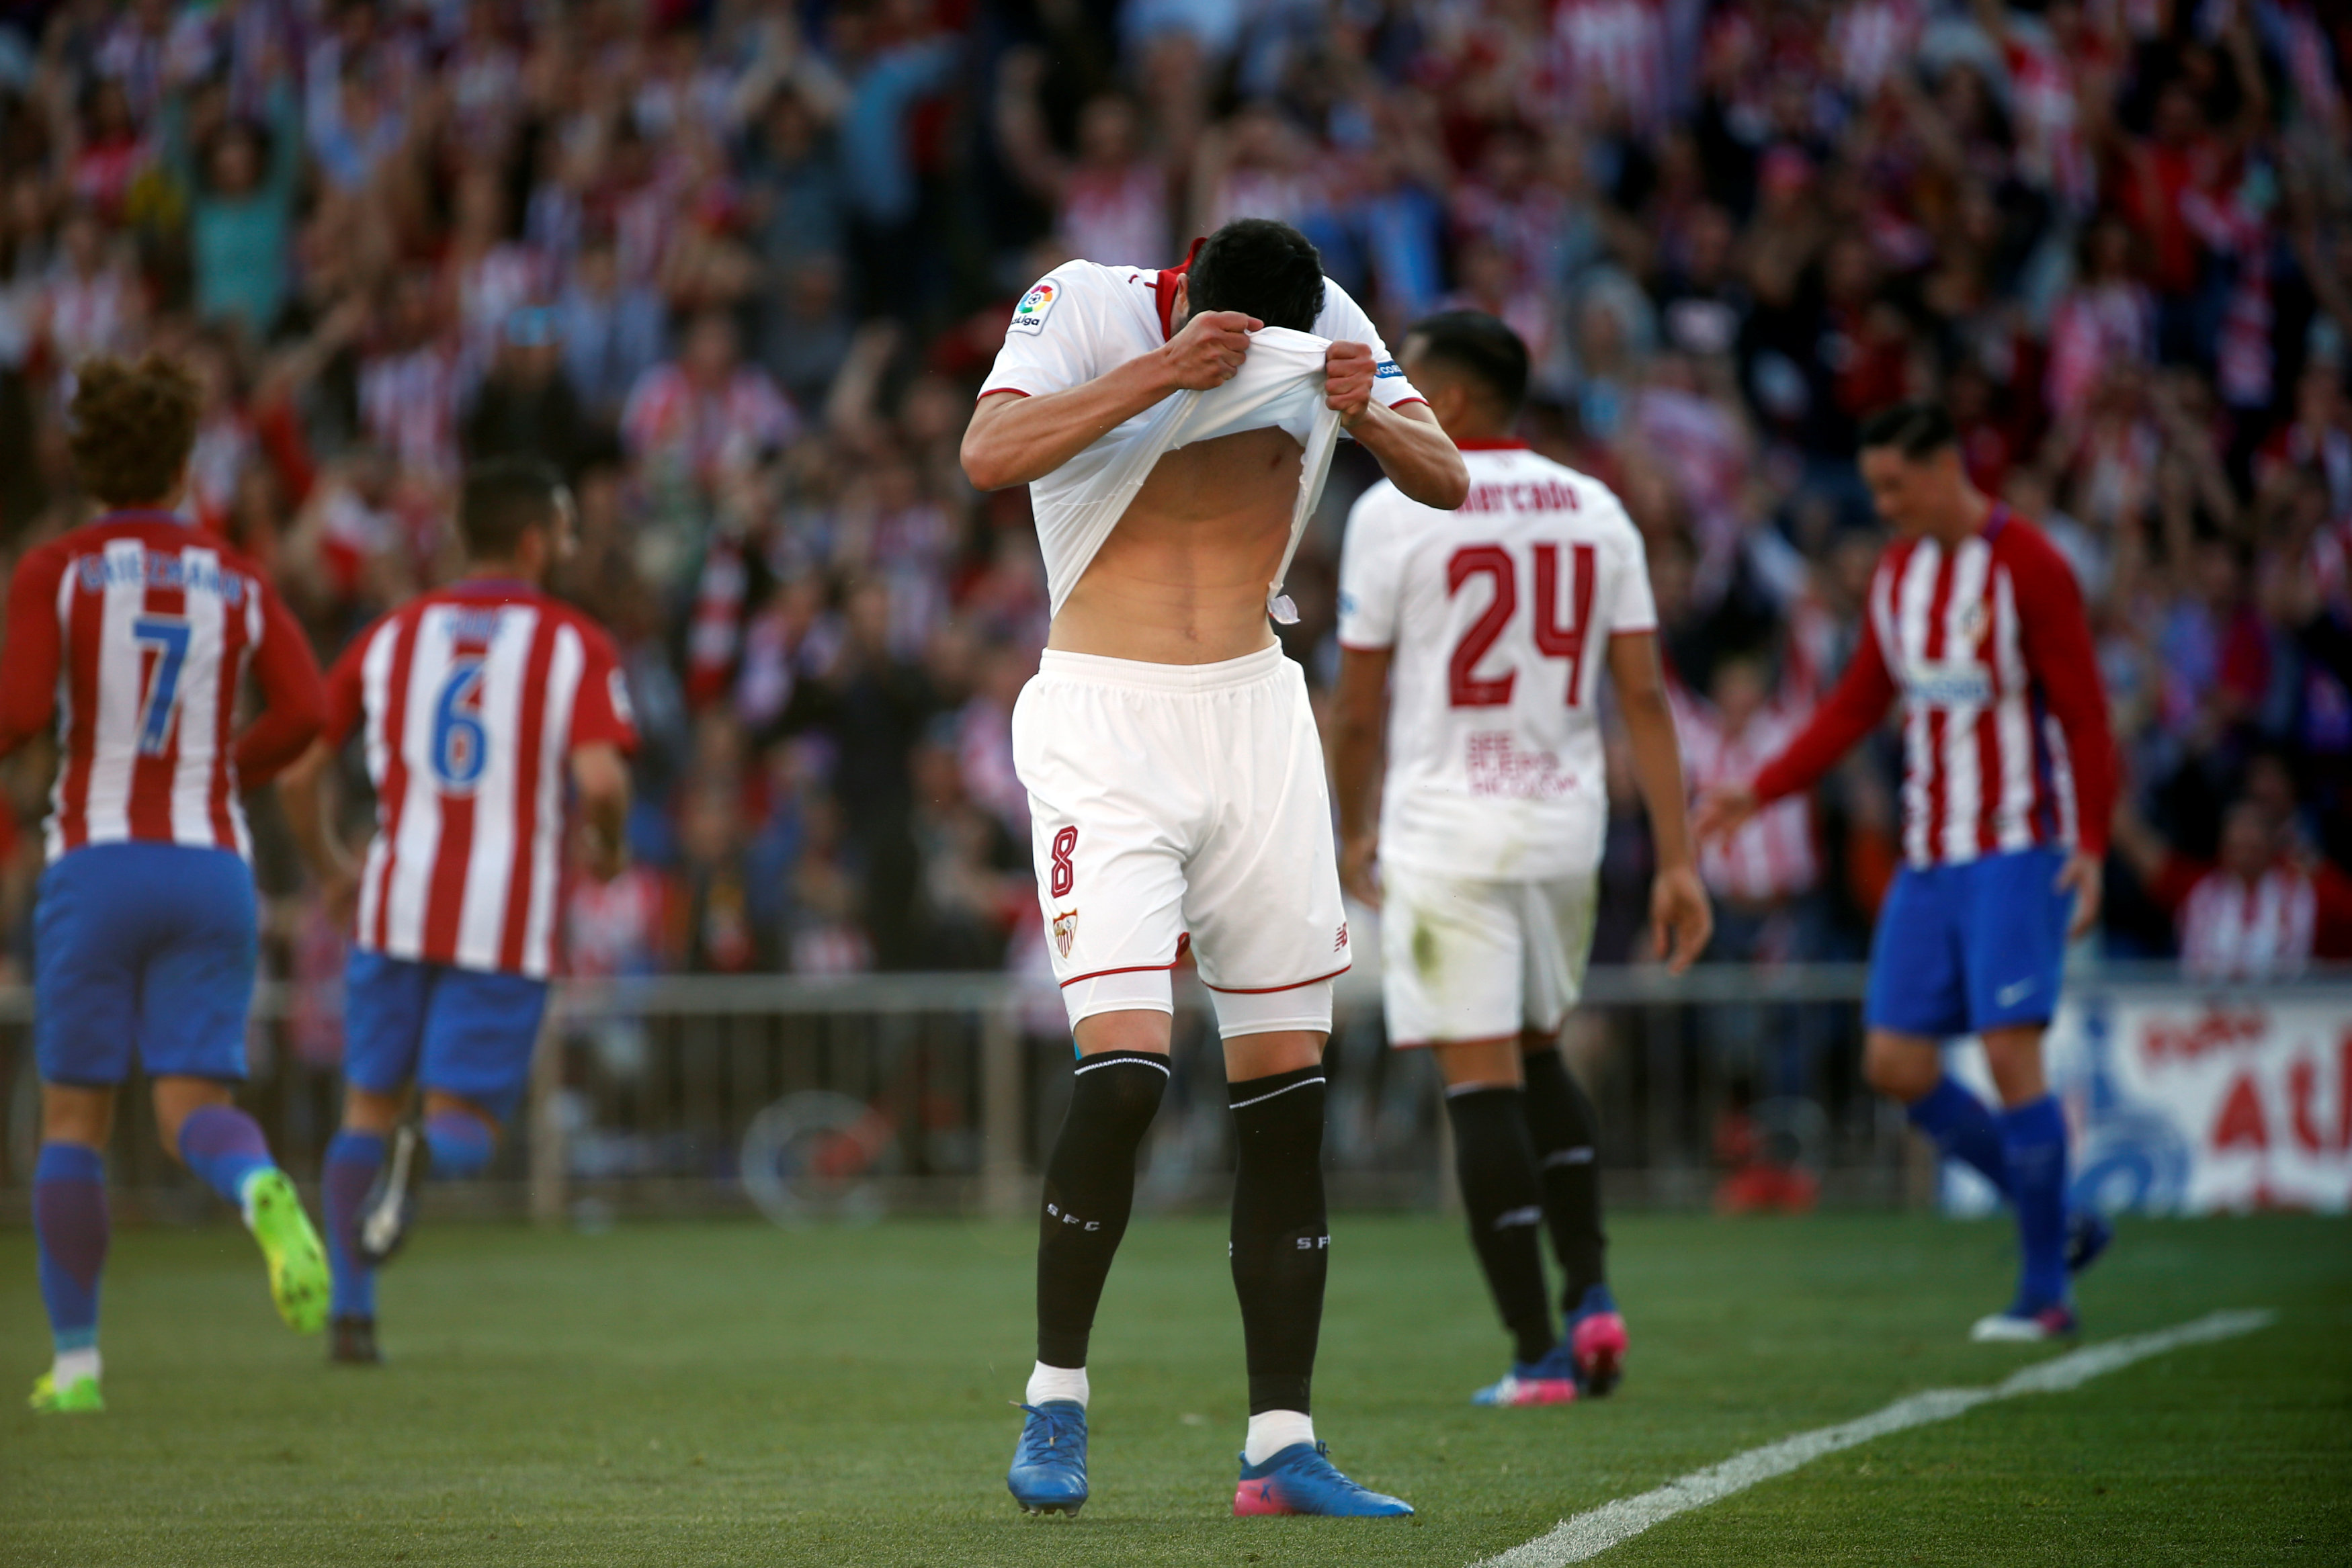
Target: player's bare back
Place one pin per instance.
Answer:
(1182, 579)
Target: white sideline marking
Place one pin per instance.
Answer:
(1590, 1533)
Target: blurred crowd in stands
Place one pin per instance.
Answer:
(736, 266)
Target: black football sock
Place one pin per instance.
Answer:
(1281, 1239)
(1089, 1190)
(1561, 1123)
(1505, 1200)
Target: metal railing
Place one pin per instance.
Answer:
(843, 1097)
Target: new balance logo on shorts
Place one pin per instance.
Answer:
(1340, 940)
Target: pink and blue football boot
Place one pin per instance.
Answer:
(1596, 1341)
(1551, 1381)
(1302, 1479)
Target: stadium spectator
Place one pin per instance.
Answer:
(656, 246)
(2258, 911)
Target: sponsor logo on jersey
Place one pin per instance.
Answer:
(1387, 369)
(1066, 931)
(1947, 685)
(1029, 316)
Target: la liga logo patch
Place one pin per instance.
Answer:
(1029, 316)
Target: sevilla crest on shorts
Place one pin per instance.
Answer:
(1066, 931)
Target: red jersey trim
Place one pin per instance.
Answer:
(1269, 990)
(991, 391)
(1484, 443)
(1127, 969)
(1163, 288)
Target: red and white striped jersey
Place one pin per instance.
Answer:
(1771, 856)
(471, 701)
(131, 635)
(2005, 741)
(2233, 929)
(2265, 927)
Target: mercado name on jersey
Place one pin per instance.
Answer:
(471, 701)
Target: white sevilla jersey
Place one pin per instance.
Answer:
(1081, 321)
(471, 701)
(1500, 614)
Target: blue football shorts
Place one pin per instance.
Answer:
(147, 948)
(466, 1032)
(1970, 946)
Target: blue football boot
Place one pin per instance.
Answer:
(1049, 1467)
(1301, 1479)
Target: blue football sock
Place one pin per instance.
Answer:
(1964, 1129)
(352, 1161)
(70, 1221)
(2034, 1136)
(460, 1142)
(225, 1146)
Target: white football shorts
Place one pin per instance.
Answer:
(1171, 803)
(1468, 958)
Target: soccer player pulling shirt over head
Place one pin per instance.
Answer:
(1173, 426)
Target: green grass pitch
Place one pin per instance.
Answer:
(724, 1392)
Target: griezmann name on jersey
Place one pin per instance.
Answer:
(470, 701)
(1500, 615)
(132, 634)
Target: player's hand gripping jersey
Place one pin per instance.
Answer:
(132, 634)
(1173, 802)
(1082, 321)
(1500, 615)
(471, 701)
(2005, 741)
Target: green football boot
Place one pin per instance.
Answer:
(79, 1397)
(298, 1263)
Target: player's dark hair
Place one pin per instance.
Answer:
(1918, 430)
(1475, 344)
(132, 427)
(505, 498)
(1261, 268)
